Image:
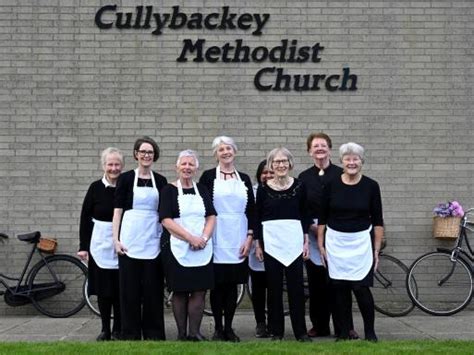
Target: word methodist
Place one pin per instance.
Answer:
(237, 51)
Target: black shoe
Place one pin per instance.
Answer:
(182, 337)
(277, 337)
(231, 336)
(218, 335)
(197, 337)
(103, 336)
(261, 331)
(371, 337)
(304, 338)
(116, 335)
(353, 335)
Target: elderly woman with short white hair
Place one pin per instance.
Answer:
(232, 195)
(350, 233)
(283, 229)
(187, 213)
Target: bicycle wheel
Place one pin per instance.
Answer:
(91, 300)
(444, 287)
(57, 286)
(207, 302)
(389, 290)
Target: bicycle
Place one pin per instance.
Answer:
(390, 294)
(444, 277)
(53, 285)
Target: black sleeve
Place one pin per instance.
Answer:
(250, 208)
(168, 197)
(376, 213)
(258, 231)
(207, 179)
(86, 225)
(306, 220)
(161, 183)
(324, 213)
(124, 185)
(206, 196)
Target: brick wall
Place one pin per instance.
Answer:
(69, 89)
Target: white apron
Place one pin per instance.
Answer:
(140, 230)
(314, 253)
(283, 239)
(102, 245)
(230, 201)
(349, 255)
(192, 214)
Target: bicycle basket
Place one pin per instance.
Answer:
(446, 227)
(47, 245)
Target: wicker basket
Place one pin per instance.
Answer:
(47, 245)
(446, 227)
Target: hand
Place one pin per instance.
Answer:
(324, 257)
(259, 253)
(197, 243)
(245, 248)
(120, 248)
(376, 260)
(83, 255)
(305, 250)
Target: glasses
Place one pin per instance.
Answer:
(282, 161)
(146, 152)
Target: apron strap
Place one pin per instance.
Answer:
(180, 188)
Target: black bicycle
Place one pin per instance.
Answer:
(53, 285)
(444, 278)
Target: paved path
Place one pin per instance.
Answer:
(85, 328)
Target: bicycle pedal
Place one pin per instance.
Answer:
(2, 293)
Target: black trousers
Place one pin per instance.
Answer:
(259, 294)
(141, 298)
(295, 288)
(320, 302)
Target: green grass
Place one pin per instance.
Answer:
(285, 347)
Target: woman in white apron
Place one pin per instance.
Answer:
(189, 217)
(96, 243)
(281, 211)
(257, 269)
(351, 216)
(137, 233)
(321, 299)
(233, 199)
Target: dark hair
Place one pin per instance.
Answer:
(260, 169)
(146, 139)
(321, 135)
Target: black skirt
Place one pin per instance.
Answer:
(102, 282)
(186, 279)
(231, 273)
(367, 281)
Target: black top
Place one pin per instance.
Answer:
(352, 208)
(169, 207)
(315, 185)
(98, 204)
(285, 204)
(124, 193)
(207, 179)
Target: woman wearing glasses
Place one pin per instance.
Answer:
(233, 200)
(137, 233)
(281, 211)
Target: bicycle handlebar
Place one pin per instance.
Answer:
(3, 235)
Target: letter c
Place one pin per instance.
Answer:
(256, 80)
(98, 16)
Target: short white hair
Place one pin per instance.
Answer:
(351, 148)
(223, 140)
(285, 152)
(108, 151)
(188, 153)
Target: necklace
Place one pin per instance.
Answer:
(321, 172)
(279, 187)
(145, 182)
(230, 175)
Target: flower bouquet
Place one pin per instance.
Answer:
(446, 220)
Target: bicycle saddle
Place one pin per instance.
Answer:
(32, 237)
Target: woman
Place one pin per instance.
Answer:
(281, 210)
(96, 243)
(319, 147)
(350, 216)
(187, 213)
(137, 232)
(233, 199)
(257, 268)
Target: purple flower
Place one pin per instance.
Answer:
(449, 209)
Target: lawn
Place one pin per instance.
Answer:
(285, 347)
